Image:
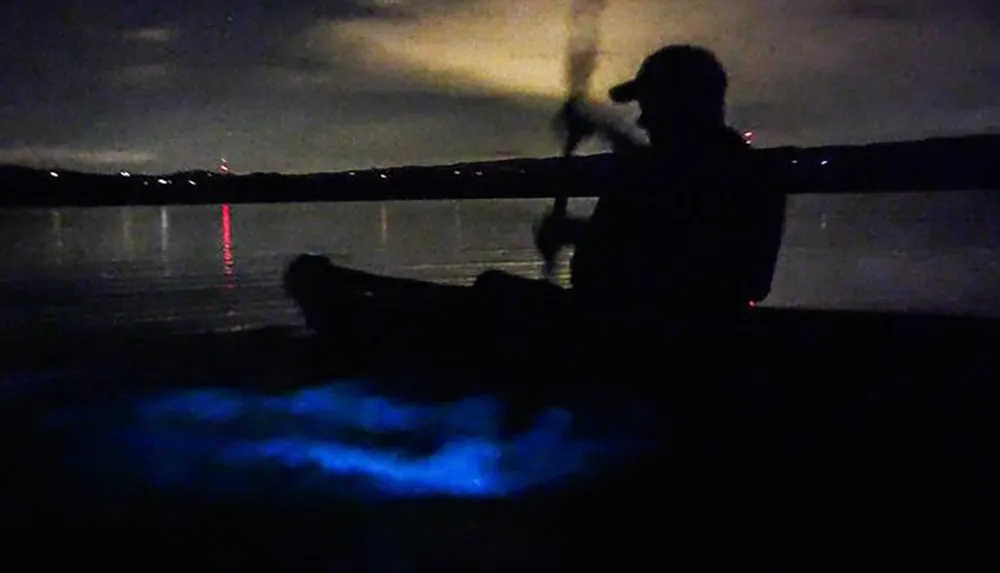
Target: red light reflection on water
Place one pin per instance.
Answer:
(227, 243)
(228, 262)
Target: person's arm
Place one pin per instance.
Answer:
(577, 124)
(555, 232)
(572, 229)
(619, 139)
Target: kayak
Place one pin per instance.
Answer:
(472, 327)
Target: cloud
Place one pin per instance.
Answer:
(355, 130)
(792, 64)
(480, 46)
(156, 35)
(141, 74)
(300, 86)
(931, 10)
(874, 9)
(99, 158)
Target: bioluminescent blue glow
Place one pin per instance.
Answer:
(336, 438)
(348, 405)
(19, 383)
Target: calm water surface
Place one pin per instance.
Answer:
(218, 267)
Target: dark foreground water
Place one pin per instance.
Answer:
(804, 442)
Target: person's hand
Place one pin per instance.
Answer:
(550, 236)
(573, 125)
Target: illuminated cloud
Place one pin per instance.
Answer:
(160, 35)
(45, 156)
(479, 46)
(502, 46)
(799, 72)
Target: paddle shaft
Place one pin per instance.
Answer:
(561, 202)
(559, 208)
(582, 47)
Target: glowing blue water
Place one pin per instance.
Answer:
(341, 439)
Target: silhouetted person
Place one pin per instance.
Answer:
(689, 222)
(692, 220)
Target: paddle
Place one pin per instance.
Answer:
(582, 48)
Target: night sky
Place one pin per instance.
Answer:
(318, 85)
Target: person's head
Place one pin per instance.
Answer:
(678, 88)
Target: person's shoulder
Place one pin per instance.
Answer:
(744, 159)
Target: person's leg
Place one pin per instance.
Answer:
(521, 302)
(499, 286)
(315, 275)
(323, 290)
(317, 271)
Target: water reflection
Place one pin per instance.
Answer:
(228, 262)
(934, 252)
(383, 226)
(165, 238)
(459, 237)
(190, 240)
(125, 214)
(57, 236)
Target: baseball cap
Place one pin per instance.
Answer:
(677, 67)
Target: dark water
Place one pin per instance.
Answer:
(218, 267)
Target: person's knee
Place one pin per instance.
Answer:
(305, 275)
(492, 279)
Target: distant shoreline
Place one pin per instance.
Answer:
(938, 164)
